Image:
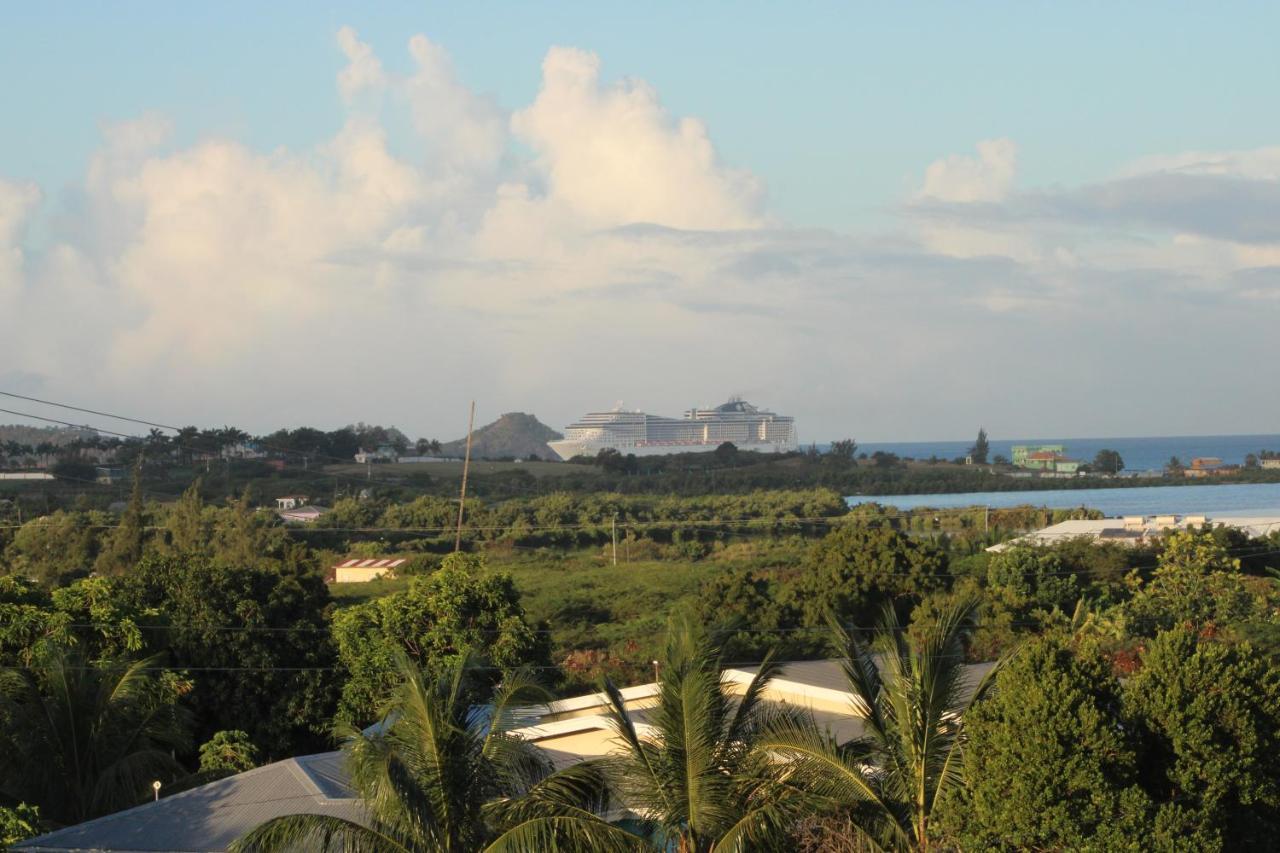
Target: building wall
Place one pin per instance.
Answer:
(571, 748)
(358, 575)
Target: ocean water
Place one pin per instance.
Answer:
(1139, 454)
(1227, 499)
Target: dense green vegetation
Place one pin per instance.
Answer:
(235, 651)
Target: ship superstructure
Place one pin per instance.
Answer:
(737, 421)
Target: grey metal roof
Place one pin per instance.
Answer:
(210, 817)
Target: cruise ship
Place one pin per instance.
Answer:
(736, 421)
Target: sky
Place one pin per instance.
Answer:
(892, 221)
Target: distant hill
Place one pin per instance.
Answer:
(515, 434)
(33, 435)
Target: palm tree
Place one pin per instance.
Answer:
(441, 775)
(83, 739)
(185, 440)
(694, 771)
(911, 697)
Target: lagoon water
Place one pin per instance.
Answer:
(1139, 454)
(1233, 499)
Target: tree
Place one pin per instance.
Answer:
(85, 615)
(726, 454)
(189, 529)
(246, 537)
(438, 776)
(1108, 462)
(1250, 460)
(856, 568)
(185, 440)
(1046, 766)
(55, 548)
(1036, 576)
(980, 448)
(18, 823)
(258, 637)
(753, 612)
(845, 449)
(1211, 715)
(1174, 467)
(1196, 583)
(74, 470)
(123, 548)
(700, 777)
(451, 614)
(83, 739)
(911, 699)
(228, 751)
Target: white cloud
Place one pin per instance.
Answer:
(465, 132)
(363, 71)
(17, 202)
(586, 247)
(613, 155)
(961, 178)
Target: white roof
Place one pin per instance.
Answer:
(1130, 530)
(389, 563)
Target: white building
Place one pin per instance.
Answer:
(384, 453)
(1134, 530)
(291, 501)
(303, 514)
(363, 571)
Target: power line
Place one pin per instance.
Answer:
(305, 455)
(481, 667)
(143, 422)
(320, 472)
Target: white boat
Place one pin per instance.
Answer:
(634, 432)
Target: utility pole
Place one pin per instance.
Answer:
(613, 529)
(466, 465)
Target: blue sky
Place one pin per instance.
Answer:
(835, 105)
(936, 214)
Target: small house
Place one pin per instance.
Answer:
(362, 571)
(302, 514)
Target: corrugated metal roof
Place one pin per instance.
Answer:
(212, 816)
(384, 563)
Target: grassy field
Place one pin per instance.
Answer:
(590, 604)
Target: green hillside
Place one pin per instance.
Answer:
(515, 435)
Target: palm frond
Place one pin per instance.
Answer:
(518, 687)
(322, 833)
(566, 832)
(863, 676)
(746, 707)
(636, 771)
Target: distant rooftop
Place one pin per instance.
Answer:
(212, 816)
(1139, 529)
